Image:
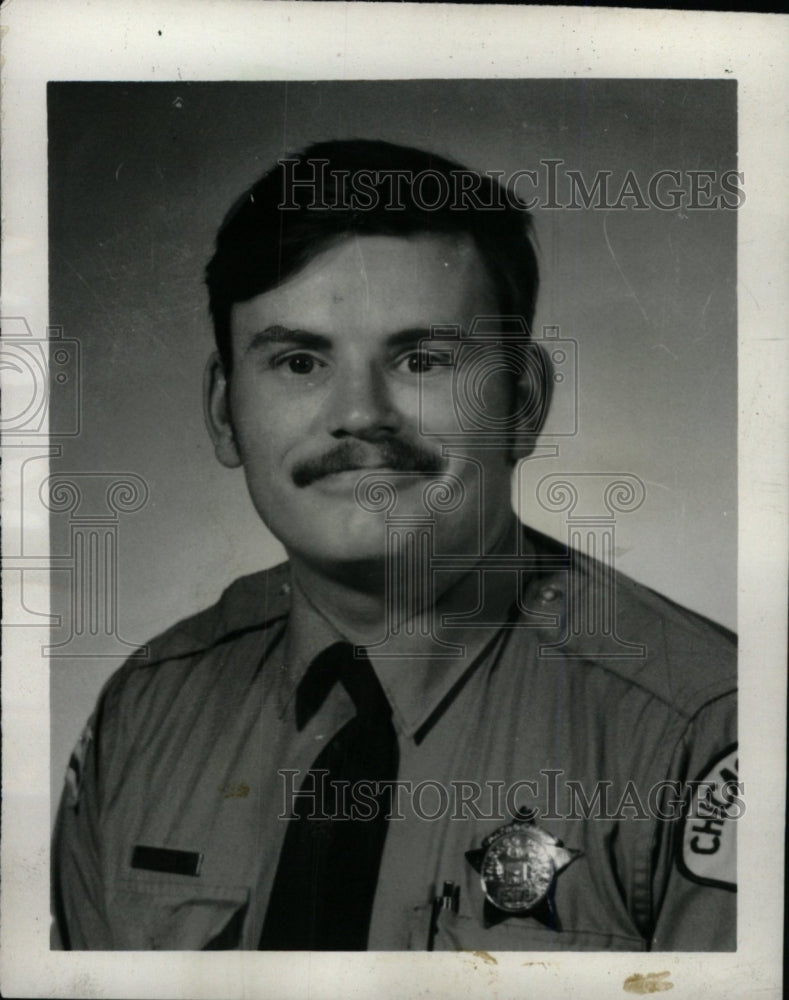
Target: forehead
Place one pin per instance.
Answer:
(377, 284)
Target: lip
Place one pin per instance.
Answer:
(346, 481)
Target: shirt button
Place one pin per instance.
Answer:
(548, 594)
(285, 589)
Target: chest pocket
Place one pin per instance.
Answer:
(152, 914)
(458, 932)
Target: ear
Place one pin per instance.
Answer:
(532, 399)
(216, 409)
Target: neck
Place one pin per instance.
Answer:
(357, 597)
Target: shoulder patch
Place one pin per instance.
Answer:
(76, 766)
(708, 848)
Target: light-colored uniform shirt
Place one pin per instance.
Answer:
(195, 748)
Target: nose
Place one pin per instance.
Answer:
(360, 405)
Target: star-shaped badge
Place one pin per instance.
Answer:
(518, 865)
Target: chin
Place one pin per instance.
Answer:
(340, 542)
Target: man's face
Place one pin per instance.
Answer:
(328, 381)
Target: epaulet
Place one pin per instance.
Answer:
(676, 654)
(251, 602)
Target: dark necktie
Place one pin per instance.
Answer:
(323, 891)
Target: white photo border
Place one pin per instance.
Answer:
(238, 40)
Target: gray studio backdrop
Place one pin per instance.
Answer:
(152, 528)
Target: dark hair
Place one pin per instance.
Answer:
(333, 190)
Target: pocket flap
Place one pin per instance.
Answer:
(458, 932)
(163, 915)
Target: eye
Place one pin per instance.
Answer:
(422, 361)
(297, 363)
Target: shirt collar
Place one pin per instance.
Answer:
(420, 668)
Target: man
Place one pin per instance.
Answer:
(400, 739)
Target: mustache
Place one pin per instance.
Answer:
(393, 453)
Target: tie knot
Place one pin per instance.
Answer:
(339, 663)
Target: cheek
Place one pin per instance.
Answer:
(261, 424)
(431, 407)
(486, 393)
(480, 405)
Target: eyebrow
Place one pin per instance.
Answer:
(282, 335)
(411, 337)
(304, 338)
